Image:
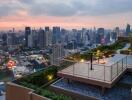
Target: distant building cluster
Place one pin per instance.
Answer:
(60, 41)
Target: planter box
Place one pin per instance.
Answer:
(17, 92)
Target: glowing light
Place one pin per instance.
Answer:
(98, 51)
(110, 55)
(82, 60)
(50, 77)
(102, 62)
(11, 64)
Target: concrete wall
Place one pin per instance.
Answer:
(73, 95)
(17, 92)
(38, 97)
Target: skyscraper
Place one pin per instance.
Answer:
(4, 39)
(107, 38)
(35, 38)
(27, 33)
(100, 35)
(47, 28)
(48, 36)
(114, 36)
(128, 30)
(57, 53)
(41, 38)
(56, 34)
(117, 30)
(30, 40)
(12, 39)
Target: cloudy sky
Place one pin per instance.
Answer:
(65, 13)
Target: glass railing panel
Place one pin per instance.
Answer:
(114, 71)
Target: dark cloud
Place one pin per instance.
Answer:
(9, 7)
(27, 1)
(102, 7)
(68, 8)
(6, 10)
(81, 8)
(105, 7)
(52, 9)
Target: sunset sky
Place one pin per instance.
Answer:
(65, 13)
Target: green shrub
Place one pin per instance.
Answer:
(40, 78)
(53, 96)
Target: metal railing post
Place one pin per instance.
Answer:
(111, 73)
(117, 68)
(104, 73)
(122, 64)
(88, 70)
(73, 69)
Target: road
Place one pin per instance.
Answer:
(2, 88)
(2, 97)
(125, 48)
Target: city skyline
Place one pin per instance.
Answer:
(68, 14)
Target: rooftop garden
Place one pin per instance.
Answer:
(128, 51)
(99, 52)
(40, 82)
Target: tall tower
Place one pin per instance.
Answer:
(100, 35)
(41, 38)
(48, 36)
(128, 29)
(117, 30)
(56, 35)
(27, 33)
(57, 53)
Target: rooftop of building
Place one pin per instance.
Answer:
(121, 91)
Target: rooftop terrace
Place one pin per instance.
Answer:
(121, 91)
(102, 74)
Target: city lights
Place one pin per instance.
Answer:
(11, 64)
(82, 60)
(50, 77)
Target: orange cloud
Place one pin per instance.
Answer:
(22, 20)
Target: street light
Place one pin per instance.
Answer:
(98, 55)
(91, 60)
(82, 60)
(50, 77)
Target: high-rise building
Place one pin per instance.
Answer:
(128, 30)
(78, 37)
(107, 38)
(30, 40)
(117, 30)
(57, 53)
(83, 36)
(47, 29)
(86, 38)
(114, 36)
(41, 39)
(12, 39)
(48, 36)
(63, 35)
(56, 35)
(35, 38)
(4, 39)
(93, 35)
(27, 33)
(100, 31)
(100, 35)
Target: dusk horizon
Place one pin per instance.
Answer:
(66, 50)
(68, 14)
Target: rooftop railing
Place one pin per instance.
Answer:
(101, 72)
